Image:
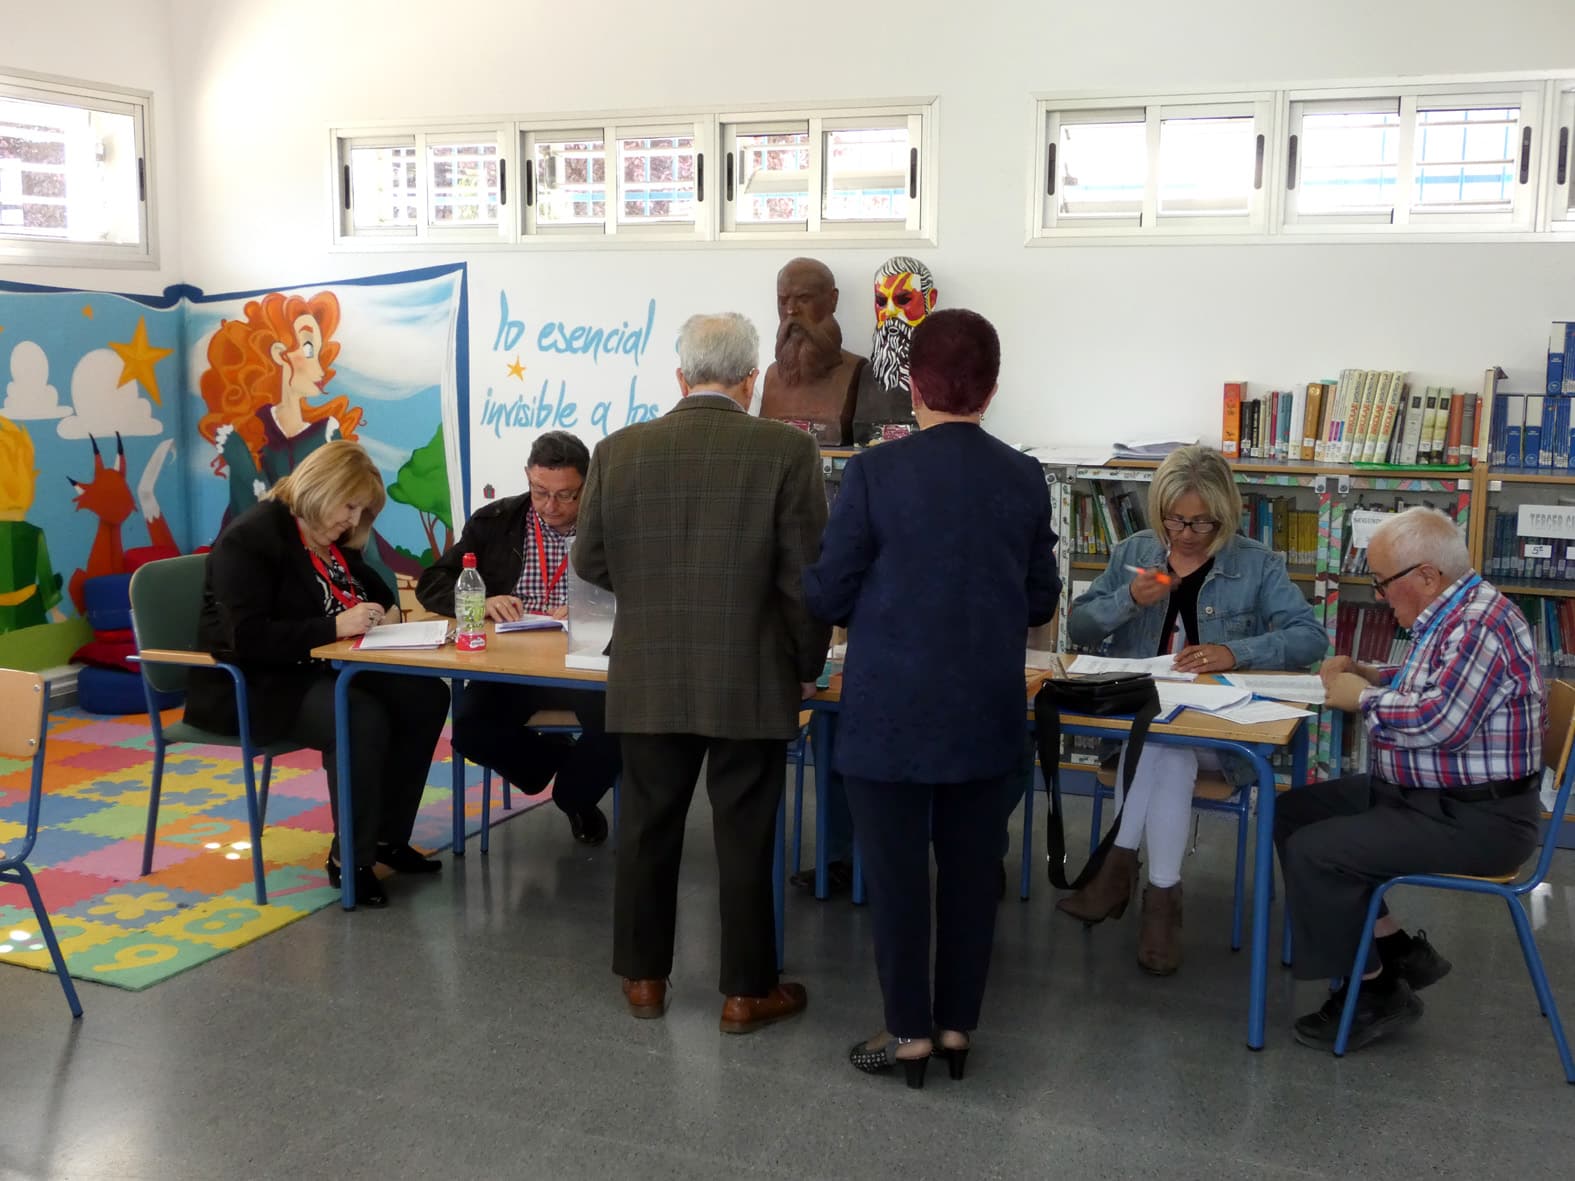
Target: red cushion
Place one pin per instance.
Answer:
(114, 635)
(143, 554)
(101, 653)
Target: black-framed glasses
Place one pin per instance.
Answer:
(1381, 585)
(1202, 526)
(564, 496)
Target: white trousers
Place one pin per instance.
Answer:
(1160, 808)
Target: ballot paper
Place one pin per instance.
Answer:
(1252, 713)
(1158, 667)
(431, 633)
(1175, 696)
(530, 623)
(1302, 687)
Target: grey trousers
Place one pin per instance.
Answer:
(1338, 840)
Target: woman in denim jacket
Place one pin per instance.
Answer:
(1218, 601)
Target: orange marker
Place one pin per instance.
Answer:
(1159, 576)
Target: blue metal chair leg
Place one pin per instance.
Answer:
(1539, 982)
(617, 795)
(486, 807)
(46, 928)
(1099, 819)
(798, 804)
(1353, 984)
(779, 882)
(858, 873)
(262, 792)
(153, 804)
(1238, 905)
(254, 825)
(508, 799)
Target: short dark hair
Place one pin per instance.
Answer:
(558, 449)
(955, 361)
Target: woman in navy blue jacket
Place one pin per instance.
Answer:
(938, 557)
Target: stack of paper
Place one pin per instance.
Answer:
(1252, 713)
(530, 623)
(431, 633)
(1304, 687)
(1159, 667)
(1174, 697)
(1149, 448)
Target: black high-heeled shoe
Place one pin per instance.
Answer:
(884, 1059)
(956, 1057)
(368, 890)
(406, 859)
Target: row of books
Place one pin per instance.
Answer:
(1552, 627)
(1509, 557)
(1368, 416)
(1282, 526)
(1532, 431)
(1370, 633)
(1561, 358)
(1353, 560)
(1100, 519)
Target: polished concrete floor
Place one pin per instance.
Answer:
(473, 1029)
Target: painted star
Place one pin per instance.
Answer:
(138, 359)
(516, 369)
(87, 310)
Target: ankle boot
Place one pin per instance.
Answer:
(1105, 897)
(1159, 938)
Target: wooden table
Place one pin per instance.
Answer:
(1255, 743)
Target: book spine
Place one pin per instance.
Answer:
(1230, 428)
(1545, 447)
(1454, 425)
(1283, 425)
(1312, 439)
(1531, 435)
(1468, 429)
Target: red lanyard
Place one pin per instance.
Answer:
(347, 599)
(541, 552)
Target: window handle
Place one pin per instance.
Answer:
(1290, 164)
(503, 182)
(530, 183)
(1257, 166)
(1050, 171)
(699, 176)
(347, 186)
(1564, 154)
(913, 173)
(729, 176)
(142, 179)
(1525, 154)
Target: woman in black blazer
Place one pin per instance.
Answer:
(938, 558)
(287, 576)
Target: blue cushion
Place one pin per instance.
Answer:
(106, 601)
(110, 691)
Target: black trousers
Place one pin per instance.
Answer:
(744, 779)
(395, 722)
(489, 730)
(896, 823)
(1338, 840)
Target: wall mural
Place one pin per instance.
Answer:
(133, 427)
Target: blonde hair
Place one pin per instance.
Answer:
(1202, 470)
(333, 475)
(18, 477)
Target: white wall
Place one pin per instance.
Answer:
(121, 43)
(1099, 340)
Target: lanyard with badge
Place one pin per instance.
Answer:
(346, 599)
(547, 582)
(1419, 640)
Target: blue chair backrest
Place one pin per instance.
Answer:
(1556, 748)
(166, 600)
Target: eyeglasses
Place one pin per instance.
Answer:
(1381, 585)
(1203, 527)
(565, 496)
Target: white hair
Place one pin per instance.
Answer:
(718, 349)
(1424, 535)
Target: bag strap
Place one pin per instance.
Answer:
(1047, 725)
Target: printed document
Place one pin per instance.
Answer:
(1302, 687)
(1158, 667)
(430, 633)
(530, 623)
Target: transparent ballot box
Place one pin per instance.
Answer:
(591, 611)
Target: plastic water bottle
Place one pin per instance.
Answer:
(470, 608)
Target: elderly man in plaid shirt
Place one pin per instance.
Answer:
(1456, 739)
(522, 545)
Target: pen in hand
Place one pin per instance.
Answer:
(1160, 576)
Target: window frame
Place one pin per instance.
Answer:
(28, 250)
(1050, 112)
(1408, 218)
(1559, 143)
(425, 232)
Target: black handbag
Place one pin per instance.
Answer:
(1103, 695)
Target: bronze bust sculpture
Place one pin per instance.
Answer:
(814, 381)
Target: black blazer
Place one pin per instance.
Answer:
(495, 533)
(262, 609)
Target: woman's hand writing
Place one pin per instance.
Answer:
(1147, 589)
(358, 620)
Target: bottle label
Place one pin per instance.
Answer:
(471, 641)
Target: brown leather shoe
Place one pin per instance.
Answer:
(745, 1014)
(1159, 938)
(647, 998)
(1107, 895)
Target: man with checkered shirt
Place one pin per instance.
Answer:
(1456, 739)
(521, 545)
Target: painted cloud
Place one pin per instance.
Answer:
(28, 395)
(102, 406)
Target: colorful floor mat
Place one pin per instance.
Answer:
(118, 928)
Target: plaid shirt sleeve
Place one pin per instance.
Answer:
(1468, 706)
(532, 588)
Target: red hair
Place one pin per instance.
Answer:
(242, 377)
(955, 361)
